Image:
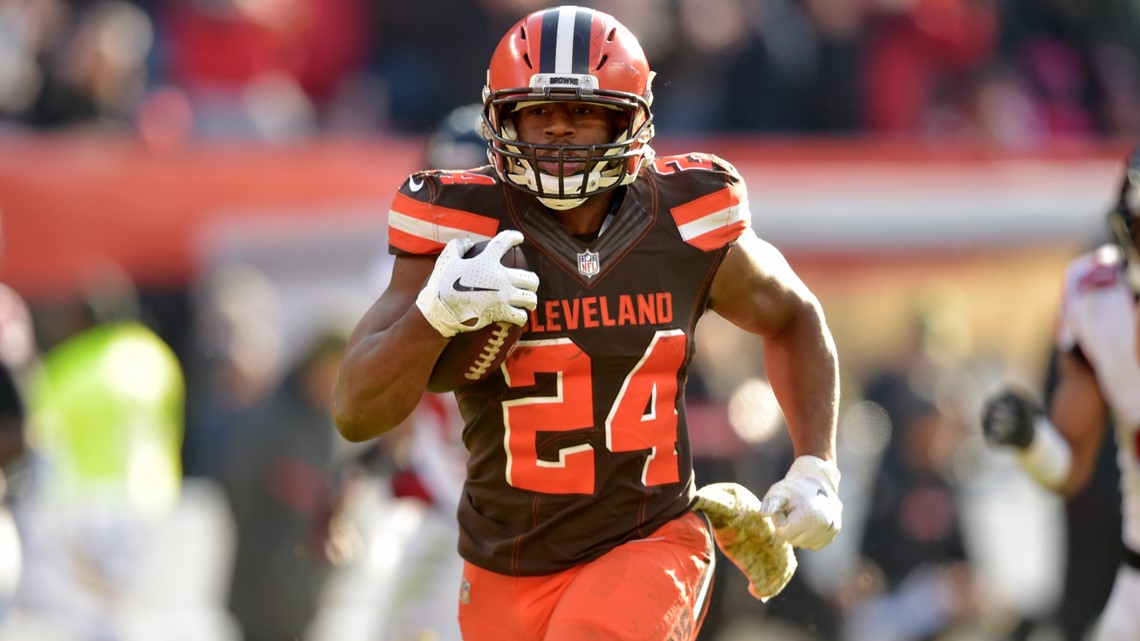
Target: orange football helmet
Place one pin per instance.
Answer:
(568, 54)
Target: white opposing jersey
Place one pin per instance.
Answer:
(1098, 314)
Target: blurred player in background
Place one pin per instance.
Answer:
(18, 360)
(106, 414)
(1097, 374)
(575, 519)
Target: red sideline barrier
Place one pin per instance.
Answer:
(68, 205)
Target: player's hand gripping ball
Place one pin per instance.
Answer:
(480, 348)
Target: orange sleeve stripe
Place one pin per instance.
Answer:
(412, 244)
(418, 227)
(705, 205)
(715, 220)
(444, 216)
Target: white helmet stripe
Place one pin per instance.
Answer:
(564, 52)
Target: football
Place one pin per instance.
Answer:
(472, 356)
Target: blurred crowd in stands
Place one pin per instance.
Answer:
(313, 555)
(1016, 73)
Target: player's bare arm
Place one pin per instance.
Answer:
(1057, 448)
(389, 357)
(399, 341)
(1077, 409)
(757, 290)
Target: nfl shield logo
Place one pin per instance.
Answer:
(588, 263)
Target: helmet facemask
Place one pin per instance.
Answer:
(604, 166)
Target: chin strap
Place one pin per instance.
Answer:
(605, 174)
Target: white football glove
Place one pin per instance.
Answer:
(466, 294)
(805, 505)
(747, 537)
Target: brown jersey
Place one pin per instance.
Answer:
(579, 442)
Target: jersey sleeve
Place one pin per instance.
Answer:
(425, 213)
(713, 210)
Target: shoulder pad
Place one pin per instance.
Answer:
(696, 161)
(429, 184)
(430, 209)
(1098, 269)
(706, 197)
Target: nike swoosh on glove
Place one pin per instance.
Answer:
(466, 294)
(747, 537)
(805, 505)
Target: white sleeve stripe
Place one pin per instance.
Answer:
(429, 231)
(716, 220)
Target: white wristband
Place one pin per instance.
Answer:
(1048, 458)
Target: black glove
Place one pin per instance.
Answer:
(1008, 420)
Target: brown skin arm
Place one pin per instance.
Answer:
(756, 290)
(389, 357)
(1077, 409)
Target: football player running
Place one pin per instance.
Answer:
(577, 520)
(1098, 373)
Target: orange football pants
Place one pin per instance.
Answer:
(651, 589)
